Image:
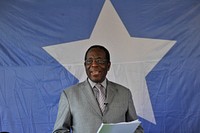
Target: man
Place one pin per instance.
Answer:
(83, 107)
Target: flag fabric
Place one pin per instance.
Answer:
(31, 80)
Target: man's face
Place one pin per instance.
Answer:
(96, 65)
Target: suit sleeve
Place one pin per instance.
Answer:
(63, 121)
(132, 115)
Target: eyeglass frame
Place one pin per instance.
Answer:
(99, 61)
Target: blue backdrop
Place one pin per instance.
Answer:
(31, 80)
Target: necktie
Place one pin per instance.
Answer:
(101, 96)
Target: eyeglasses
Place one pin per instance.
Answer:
(98, 61)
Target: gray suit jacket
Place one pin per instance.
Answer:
(79, 110)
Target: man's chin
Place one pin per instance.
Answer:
(96, 80)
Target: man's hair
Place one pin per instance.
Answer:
(100, 47)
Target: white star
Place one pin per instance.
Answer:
(132, 58)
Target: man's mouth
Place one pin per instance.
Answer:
(95, 72)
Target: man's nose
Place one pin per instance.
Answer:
(94, 63)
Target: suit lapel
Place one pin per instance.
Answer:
(87, 91)
(111, 91)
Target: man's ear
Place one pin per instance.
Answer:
(109, 64)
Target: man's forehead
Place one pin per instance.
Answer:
(95, 57)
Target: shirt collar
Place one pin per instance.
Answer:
(104, 83)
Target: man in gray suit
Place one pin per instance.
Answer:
(80, 109)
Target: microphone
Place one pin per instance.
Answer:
(106, 104)
(106, 107)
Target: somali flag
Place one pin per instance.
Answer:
(31, 79)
